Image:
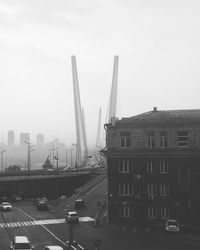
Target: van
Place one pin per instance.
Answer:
(20, 243)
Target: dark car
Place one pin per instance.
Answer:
(79, 203)
(42, 205)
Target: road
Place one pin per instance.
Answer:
(49, 228)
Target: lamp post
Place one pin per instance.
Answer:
(30, 149)
(57, 188)
(75, 145)
(2, 152)
(53, 157)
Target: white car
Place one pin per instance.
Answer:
(71, 216)
(20, 242)
(53, 248)
(5, 206)
(172, 226)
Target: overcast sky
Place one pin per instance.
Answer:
(158, 43)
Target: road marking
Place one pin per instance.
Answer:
(41, 222)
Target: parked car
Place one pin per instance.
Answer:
(42, 205)
(63, 197)
(36, 201)
(71, 216)
(44, 199)
(53, 248)
(20, 242)
(79, 203)
(172, 226)
(5, 206)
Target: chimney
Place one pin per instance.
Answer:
(155, 109)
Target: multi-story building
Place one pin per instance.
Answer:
(11, 138)
(40, 140)
(24, 137)
(153, 162)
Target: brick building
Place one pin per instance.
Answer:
(153, 162)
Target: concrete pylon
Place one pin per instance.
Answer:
(113, 93)
(81, 144)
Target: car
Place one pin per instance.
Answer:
(71, 216)
(42, 205)
(5, 206)
(63, 197)
(79, 203)
(18, 198)
(20, 242)
(44, 199)
(36, 201)
(53, 248)
(172, 226)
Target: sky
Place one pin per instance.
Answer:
(158, 43)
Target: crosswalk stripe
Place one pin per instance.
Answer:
(41, 222)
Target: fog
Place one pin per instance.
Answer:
(158, 46)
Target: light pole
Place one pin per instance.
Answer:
(53, 157)
(29, 154)
(70, 150)
(75, 145)
(57, 188)
(2, 152)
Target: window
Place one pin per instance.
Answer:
(184, 200)
(163, 139)
(182, 138)
(164, 190)
(152, 212)
(163, 167)
(151, 140)
(184, 176)
(124, 167)
(151, 169)
(125, 189)
(151, 189)
(125, 139)
(125, 211)
(164, 212)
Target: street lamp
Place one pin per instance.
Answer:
(57, 188)
(2, 152)
(75, 145)
(53, 157)
(30, 149)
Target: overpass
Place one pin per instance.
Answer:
(30, 184)
(44, 174)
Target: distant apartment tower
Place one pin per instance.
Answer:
(11, 138)
(40, 139)
(24, 137)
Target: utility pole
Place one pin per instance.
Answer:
(2, 152)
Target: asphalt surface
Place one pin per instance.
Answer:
(53, 230)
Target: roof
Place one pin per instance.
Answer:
(48, 163)
(20, 239)
(184, 115)
(55, 248)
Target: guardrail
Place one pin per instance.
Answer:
(45, 174)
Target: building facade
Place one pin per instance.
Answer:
(153, 162)
(11, 138)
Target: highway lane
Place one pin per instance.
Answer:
(51, 234)
(85, 233)
(39, 235)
